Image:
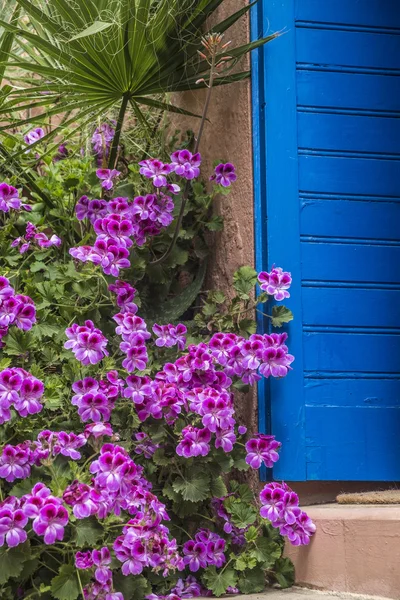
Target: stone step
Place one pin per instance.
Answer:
(356, 549)
(296, 593)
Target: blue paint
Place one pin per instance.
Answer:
(357, 445)
(336, 90)
(327, 175)
(350, 133)
(260, 215)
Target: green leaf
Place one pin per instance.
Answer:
(284, 572)
(65, 585)
(38, 266)
(126, 190)
(242, 515)
(23, 487)
(174, 308)
(245, 561)
(96, 27)
(12, 561)
(17, 342)
(245, 492)
(266, 552)
(195, 488)
(87, 532)
(4, 363)
(241, 464)
(244, 281)
(281, 315)
(215, 224)
(6, 43)
(218, 487)
(132, 588)
(251, 534)
(252, 581)
(218, 583)
(247, 327)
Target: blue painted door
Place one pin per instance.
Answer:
(326, 100)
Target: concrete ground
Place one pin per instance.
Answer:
(297, 593)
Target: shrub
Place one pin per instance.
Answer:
(79, 514)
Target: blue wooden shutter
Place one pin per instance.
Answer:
(326, 107)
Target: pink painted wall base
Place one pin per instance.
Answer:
(356, 549)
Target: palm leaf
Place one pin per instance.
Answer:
(7, 42)
(114, 53)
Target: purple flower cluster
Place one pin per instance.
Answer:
(86, 342)
(15, 309)
(198, 382)
(125, 295)
(185, 164)
(145, 543)
(96, 399)
(155, 170)
(206, 549)
(243, 358)
(195, 442)
(185, 588)
(117, 224)
(262, 449)
(32, 235)
(101, 141)
(116, 484)
(102, 586)
(276, 283)
(34, 136)
(281, 506)
(224, 174)
(16, 461)
(10, 200)
(170, 335)
(19, 389)
(99, 430)
(49, 517)
(133, 331)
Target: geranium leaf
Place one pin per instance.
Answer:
(195, 489)
(218, 487)
(65, 585)
(12, 561)
(218, 583)
(252, 581)
(87, 532)
(284, 572)
(281, 315)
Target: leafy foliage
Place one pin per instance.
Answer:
(98, 54)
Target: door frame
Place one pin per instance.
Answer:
(277, 215)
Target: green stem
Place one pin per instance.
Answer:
(186, 190)
(80, 583)
(204, 517)
(118, 129)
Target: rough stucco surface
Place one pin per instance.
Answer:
(227, 137)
